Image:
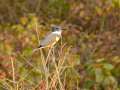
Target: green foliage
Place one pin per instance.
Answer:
(27, 51)
(88, 84)
(59, 8)
(116, 3)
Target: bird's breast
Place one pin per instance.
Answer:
(57, 38)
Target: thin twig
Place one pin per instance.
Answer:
(13, 69)
(57, 71)
(36, 28)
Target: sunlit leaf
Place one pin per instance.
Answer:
(99, 10)
(23, 20)
(108, 66)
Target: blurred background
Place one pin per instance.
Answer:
(92, 33)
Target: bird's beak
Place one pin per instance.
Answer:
(64, 28)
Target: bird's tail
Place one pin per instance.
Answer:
(38, 48)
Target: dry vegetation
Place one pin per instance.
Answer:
(86, 58)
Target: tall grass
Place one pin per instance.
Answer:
(51, 75)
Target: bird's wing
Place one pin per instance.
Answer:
(50, 39)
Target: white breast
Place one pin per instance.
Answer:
(57, 32)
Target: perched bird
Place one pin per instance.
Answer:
(52, 38)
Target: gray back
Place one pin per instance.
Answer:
(51, 38)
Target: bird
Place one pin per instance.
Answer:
(52, 38)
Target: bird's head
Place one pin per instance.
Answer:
(56, 28)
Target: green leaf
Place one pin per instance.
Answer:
(27, 51)
(88, 84)
(108, 66)
(90, 69)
